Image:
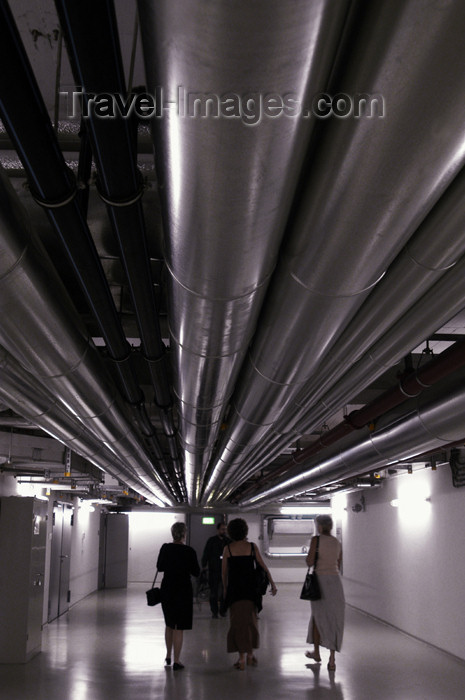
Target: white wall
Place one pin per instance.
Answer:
(84, 551)
(406, 565)
(147, 533)
(8, 485)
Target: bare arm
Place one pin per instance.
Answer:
(224, 568)
(310, 558)
(259, 558)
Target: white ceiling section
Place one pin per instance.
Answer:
(219, 265)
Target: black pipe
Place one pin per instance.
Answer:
(84, 169)
(91, 36)
(53, 186)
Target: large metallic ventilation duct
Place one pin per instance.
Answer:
(91, 35)
(371, 183)
(431, 253)
(436, 421)
(436, 247)
(55, 348)
(26, 396)
(441, 303)
(411, 384)
(227, 182)
(54, 187)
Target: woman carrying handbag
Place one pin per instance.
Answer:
(178, 562)
(326, 627)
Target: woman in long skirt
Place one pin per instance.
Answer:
(241, 595)
(326, 627)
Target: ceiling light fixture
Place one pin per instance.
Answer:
(305, 510)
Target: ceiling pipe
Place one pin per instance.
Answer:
(441, 303)
(227, 183)
(91, 36)
(410, 385)
(370, 185)
(434, 423)
(16, 422)
(55, 348)
(26, 396)
(434, 249)
(53, 186)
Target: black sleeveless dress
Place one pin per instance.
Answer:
(243, 602)
(242, 582)
(178, 563)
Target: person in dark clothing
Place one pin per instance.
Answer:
(242, 597)
(178, 563)
(212, 557)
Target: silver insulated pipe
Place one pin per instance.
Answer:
(55, 349)
(434, 420)
(229, 150)
(371, 183)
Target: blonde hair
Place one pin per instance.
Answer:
(325, 522)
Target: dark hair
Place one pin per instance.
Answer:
(220, 525)
(178, 531)
(238, 529)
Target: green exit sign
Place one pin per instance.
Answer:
(208, 521)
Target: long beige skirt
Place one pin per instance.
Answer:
(328, 613)
(243, 634)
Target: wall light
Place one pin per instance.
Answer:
(403, 502)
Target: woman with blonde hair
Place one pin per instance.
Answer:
(326, 627)
(178, 562)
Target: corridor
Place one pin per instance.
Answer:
(110, 647)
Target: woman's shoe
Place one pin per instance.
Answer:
(252, 661)
(167, 661)
(312, 655)
(177, 666)
(239, 665)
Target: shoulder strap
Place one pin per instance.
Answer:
(156, 574)
(252, 553)
(229, 550)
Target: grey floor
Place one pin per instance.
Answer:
(110, 647)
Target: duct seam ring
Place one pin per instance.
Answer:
(422, 384)
(53, 205)
(123, 202)
(118, 360)
(155, 360)
(406, 393)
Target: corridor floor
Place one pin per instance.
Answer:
(110, 646)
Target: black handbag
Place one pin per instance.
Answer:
(311, 587)
(154, 593)
(261, 577)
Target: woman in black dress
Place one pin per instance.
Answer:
(178, 563)
(241, 596)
